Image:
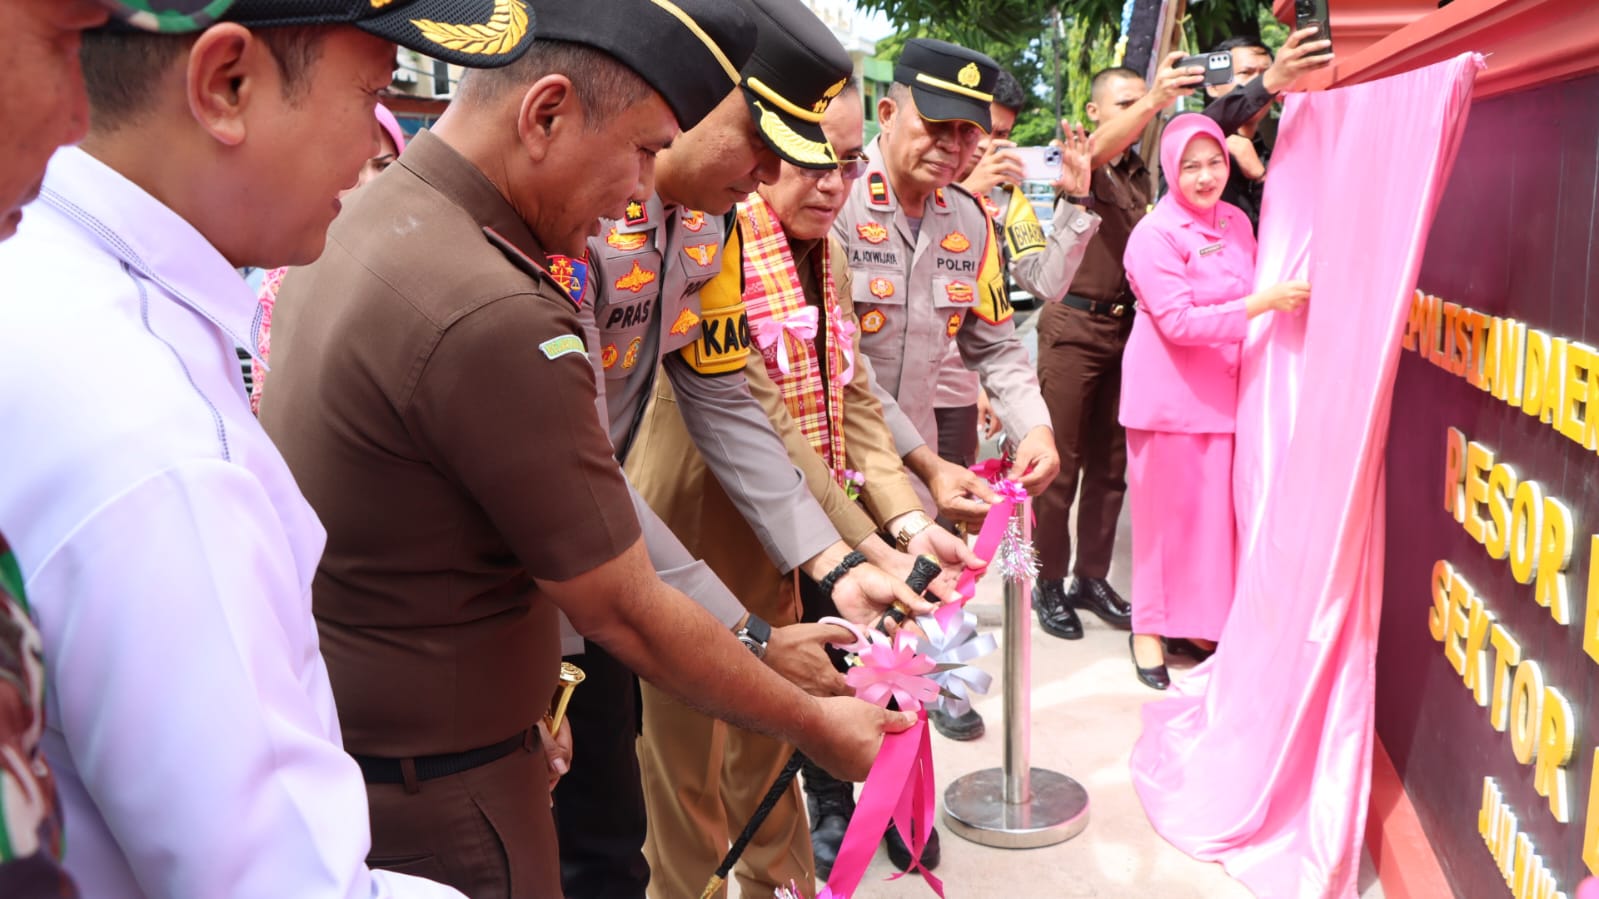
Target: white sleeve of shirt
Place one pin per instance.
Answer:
(194, 703)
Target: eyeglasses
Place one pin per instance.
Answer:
(850, 168)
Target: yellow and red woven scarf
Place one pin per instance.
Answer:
(784, 327)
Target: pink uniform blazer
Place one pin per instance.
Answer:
(1190, 272)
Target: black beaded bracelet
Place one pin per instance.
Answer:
(831, 578)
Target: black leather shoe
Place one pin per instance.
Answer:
(1097, 595)
(1155, 678)
(900, 854)
(831, 803)
(1054, 615)
(1185, 647)
(967, 727)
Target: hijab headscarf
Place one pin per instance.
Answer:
(1180, 132)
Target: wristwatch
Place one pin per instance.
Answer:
(755, 634)
(904, 536)
(1086, 201)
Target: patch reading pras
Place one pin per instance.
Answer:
(873, 321)
(872, 232)
(556, 347)
(636, 280)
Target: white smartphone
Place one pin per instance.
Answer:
(1039, 163)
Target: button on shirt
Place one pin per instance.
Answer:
(169, 556)
(1190, 278)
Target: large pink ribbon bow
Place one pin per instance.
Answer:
(900, 785)
(800, 324)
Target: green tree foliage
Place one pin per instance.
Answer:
(1017, 34)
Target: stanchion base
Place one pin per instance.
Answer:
(975, 808)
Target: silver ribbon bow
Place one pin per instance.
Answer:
(952, 651)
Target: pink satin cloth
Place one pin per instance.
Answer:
(1180, 495)
(1262, 758)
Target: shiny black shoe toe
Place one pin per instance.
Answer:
(1056, 617)
(1097, 595)
(900, 854)
(966, 727)
(1155, 678)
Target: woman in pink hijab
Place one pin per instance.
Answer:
(391, 143)
(1191, 263)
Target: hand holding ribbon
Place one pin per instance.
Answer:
(801, 325)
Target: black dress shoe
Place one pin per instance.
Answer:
(967, 727)
(1097, 595)
(1185, 647)
(1155, 678)
(1054, 615)
(900, 854)
(831, 803)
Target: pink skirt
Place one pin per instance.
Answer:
(1180, 490)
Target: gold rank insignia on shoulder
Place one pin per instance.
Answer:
(637, 214)
(938, 197)
(956, 242)
(969, 76)
(877, 188)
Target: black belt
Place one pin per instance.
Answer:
(430, 767)
(1096, 307)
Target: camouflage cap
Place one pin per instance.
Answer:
(169, 16)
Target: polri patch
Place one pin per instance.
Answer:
(556, 347)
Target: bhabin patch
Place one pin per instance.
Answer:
(635, 280)
(686, 320)
(872, 232)
(556, 347)
(873, 321)
(626, 242)
(702, 253)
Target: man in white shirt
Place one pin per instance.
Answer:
(168, 553)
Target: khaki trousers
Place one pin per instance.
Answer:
(1080, 375)
(702, 782)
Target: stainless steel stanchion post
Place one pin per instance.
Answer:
(1017, 806)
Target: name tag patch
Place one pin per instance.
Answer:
(556, 347)
(1211, 250)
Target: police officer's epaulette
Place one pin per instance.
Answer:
(877, 189)
(638, 217)
(571, 276)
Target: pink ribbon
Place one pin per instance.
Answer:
(844, 339)
(900, 786)
(801, 324)
(1011, 494)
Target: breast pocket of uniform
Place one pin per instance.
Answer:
(879, 299)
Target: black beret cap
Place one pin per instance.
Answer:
(689, 51)
(797, 69)
(948, 81)
(474, 33)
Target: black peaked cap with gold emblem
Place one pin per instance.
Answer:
(689, 51)
(797, 69)
(948, 81)
(478, 34)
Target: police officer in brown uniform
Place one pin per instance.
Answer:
(434, 399)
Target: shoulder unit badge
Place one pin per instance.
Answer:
(872, 232)
(571, 274)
